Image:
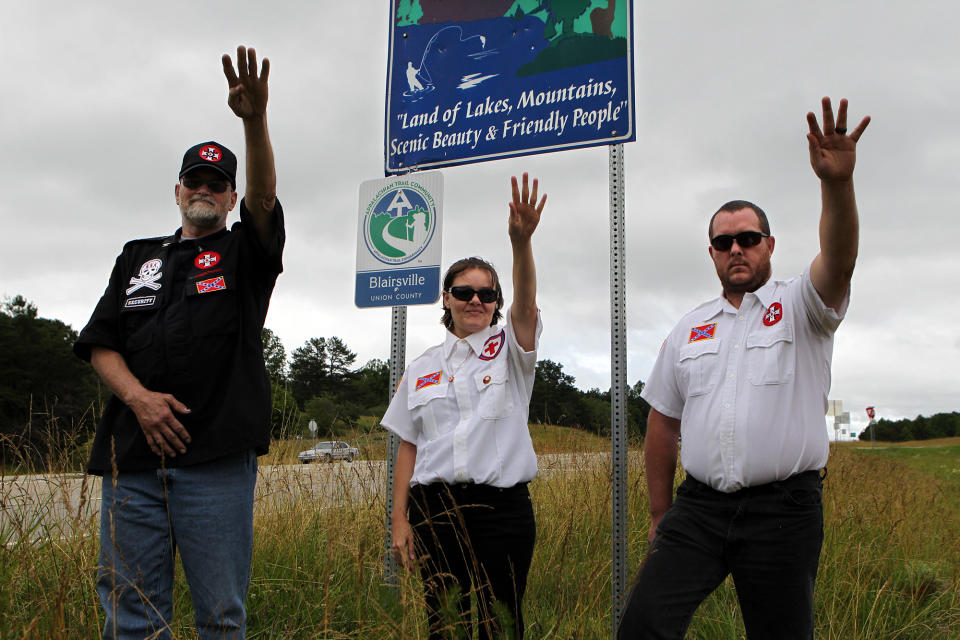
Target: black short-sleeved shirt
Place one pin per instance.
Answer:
(187, 316)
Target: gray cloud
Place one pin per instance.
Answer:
(101, 101)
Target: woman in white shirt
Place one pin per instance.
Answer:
(461, 504)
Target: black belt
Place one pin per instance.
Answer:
(799, 478)
(469, 489)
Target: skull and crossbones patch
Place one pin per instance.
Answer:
(149, 274)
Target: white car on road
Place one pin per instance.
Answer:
(328, 452)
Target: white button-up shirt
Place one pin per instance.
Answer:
(750, 385)
(465, 404)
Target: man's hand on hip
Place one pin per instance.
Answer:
(155, 413)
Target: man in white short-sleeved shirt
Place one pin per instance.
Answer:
(744, 380)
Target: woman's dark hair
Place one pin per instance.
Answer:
(459, 267)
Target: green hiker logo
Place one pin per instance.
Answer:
(399, 223)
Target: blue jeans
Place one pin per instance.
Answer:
(767, 537)
(204, 511)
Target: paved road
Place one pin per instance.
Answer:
(39, 507)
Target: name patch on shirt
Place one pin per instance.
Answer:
(428, 380)
(703, 332)
(493, 345)
(773, 314)
(141, 301)
(211, 284)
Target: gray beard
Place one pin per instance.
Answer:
(201, 215)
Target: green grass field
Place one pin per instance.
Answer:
(889, 568)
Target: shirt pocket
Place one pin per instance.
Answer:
(494, 399)
(139, 355)
(213, 303)
(424, 407)
(771, 355)
(697, 364)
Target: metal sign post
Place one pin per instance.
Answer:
(398, 264)
(398, 350)
(618, 386)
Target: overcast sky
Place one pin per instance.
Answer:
(101, 99)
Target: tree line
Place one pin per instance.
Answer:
(939, 425)
(318, 383)
(51, 400)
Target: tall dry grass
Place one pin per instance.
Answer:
(889, 567)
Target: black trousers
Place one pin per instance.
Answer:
(478, 539)
(767, 537)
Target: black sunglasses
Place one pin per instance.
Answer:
(466, 294)
(215, 185)
(745, 239)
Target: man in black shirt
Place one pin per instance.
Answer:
(176, 337)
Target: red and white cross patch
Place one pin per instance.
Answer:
(211, 153)
(773, 314)
(493, 345)
(206, 259)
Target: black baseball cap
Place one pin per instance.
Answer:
(212, 155)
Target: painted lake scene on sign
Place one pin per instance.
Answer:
(470, 81)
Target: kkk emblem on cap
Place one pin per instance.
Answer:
(703, 332)
(211, 153)
(773, 314)
(491, 348)
(206, 259)
(149, 274)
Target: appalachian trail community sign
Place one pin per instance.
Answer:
(398, 241)
(469, 81)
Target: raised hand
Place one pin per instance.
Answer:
(524, 210)
(833, 153)
(248, 91)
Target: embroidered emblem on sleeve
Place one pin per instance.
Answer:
(428, 380)
(211, 284)
(493, 345)
(703, 332)
(149, 274)
(773, 314)
(206, 259)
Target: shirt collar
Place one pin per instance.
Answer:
(765, 295)
(475, 340)
(219, 233)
